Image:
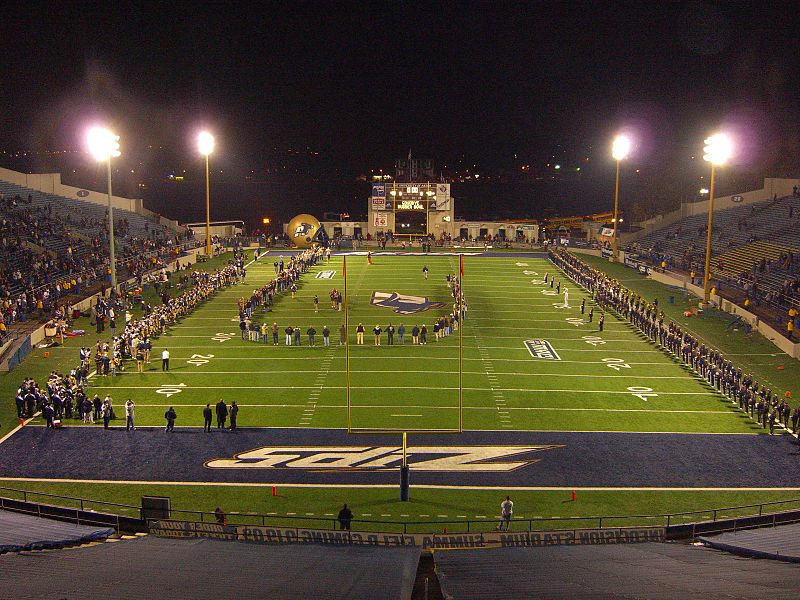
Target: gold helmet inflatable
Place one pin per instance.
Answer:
(305, 231)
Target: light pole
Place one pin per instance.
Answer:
(619, 150)
(104, 145)
(717, 151)
(205, 143)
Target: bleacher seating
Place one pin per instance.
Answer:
(49, 241)
(754, 248)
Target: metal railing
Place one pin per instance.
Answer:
(122, 511)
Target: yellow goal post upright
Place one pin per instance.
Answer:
(404, 470)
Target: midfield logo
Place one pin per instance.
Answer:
(494, 459)
(326, 275)
(403, 304)
(541, 349)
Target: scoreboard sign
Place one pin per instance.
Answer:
(380, 220)
(410, 205)
(378, 203)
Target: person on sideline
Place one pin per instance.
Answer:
(129, 406)
(506, 512)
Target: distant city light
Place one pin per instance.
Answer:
(703, 191)
(557, 167)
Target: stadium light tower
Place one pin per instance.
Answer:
(104, 145)
(619, 150)
(205, 143)
(718, 150)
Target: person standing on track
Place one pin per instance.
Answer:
(506, 513)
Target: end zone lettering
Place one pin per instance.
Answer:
(541, 349)
(497, 459)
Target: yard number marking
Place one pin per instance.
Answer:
(616, 364)
(576, 321)
(200, 359)
(642, 392)
(593, 340)
(223, 337)
(171, 389)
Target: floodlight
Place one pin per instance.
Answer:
(103, 145)
(205, 143)
(718, 149)
(621, 147)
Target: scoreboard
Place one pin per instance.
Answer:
(410, 209)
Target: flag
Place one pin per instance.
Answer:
(461, 264)
(344, 267)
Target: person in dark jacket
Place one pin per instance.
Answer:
(234, 414)
(345, 516)
(222, 414)
(47, 413)
(207, 418)
(170, 416)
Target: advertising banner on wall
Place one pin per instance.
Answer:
(442, 197)
(294, 535)
(380, 220)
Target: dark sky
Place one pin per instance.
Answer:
(365, 81)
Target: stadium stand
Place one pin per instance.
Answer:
(618, 571)
(754, 253)
(779, 543)
(55, 246)
(20, 532)
(151, 567)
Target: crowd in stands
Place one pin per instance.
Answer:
(48, 255)
(771, 282)
(760, 402)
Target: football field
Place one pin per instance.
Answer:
(549, 404)
(529, 362)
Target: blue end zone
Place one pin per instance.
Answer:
(473, 459)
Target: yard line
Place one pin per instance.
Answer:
(405, 415)
(492, 378)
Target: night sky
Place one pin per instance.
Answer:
(362, 83)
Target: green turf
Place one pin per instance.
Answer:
(416, 387)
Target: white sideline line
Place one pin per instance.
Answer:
(428, 407)
(394, 486)
(18, 427)
(404, 387)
